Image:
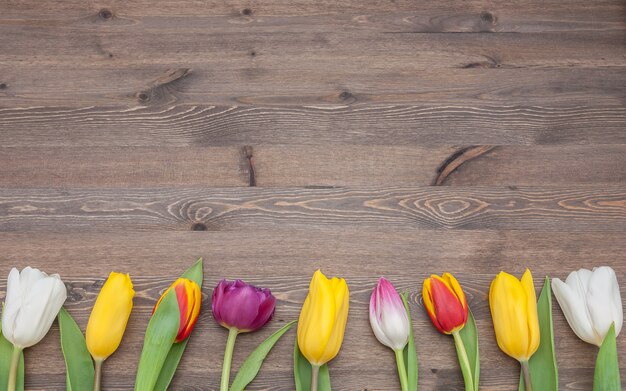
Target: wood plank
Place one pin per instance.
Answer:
(102, 210)
(342, 84)
(135, 45)
(326, 165)
(523, 16)
(210, 126)
(358, 254)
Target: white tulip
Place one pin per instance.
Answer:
(591, 302)
(32, 302)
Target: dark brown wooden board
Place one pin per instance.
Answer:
(366, 138)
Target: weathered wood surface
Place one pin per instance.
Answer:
(368, 138)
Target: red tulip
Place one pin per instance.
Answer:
(445, 303)
(189, 299)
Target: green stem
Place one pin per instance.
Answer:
(404, 378)
(15, 360)
(315, 371)
(97, 375)
(228, 358)
(466, 369)
(528, 384)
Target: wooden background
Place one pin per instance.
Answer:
(365, 137)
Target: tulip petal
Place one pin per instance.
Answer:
(574, 308)
(341, 296)
(532, 315)
(12, 304)
(388, 317)
(449, 311)
(39, 309)
(602, 297)
(317, 319)
(453, 284)
(507, 300)
(109, 316)
(28, 277)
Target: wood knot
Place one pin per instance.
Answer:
(199, 227)
(246, 11)
(3, 86)
(105, 14)
(487, 17)
(345, 95)
(248, 153)
(143, 97)
(252, 53)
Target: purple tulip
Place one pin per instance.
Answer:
(242, 306)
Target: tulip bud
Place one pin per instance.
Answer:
(323, 319)
(513, 305)
(242, 306)
(388, 316)
(109, 316)
(189, 297)
(591, 302)
(32, 302)
(445, 303)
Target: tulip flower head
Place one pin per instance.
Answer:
(242, 306)
(189, 297)
(445, 303)
(513, 306)
(323, 319)
(32, 302)
(388, 316)
(109, 316)
(591, 302)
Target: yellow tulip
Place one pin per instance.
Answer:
(109, 316)
(514, 311)
(323, 319)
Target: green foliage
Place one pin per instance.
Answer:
(469, 337)
(410, 353)
(6, 351)
(252, 365)
(543, 368)
(302, 373)
(606, 376)
(78, 363)
(194, 273)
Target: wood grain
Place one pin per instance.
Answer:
(559, 209)
(276, 137)
(135, 44)
(474, 16)
(342, 84)
(328, 165)
(354, 124)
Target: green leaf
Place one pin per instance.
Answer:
(606, 376)
(194, 273)
(469, 337)
(158, 341)
(543, 369)
(251, 366)
(302, 373)
(169, 366)
(78, 362)
(6, 351)
(410, 354)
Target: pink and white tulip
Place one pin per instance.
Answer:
(388, 316)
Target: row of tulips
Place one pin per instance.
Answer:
(590, 301)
